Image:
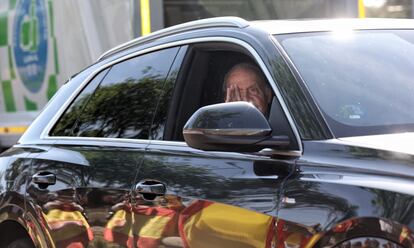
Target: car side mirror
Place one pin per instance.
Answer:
(233, 126)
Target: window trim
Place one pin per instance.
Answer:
(45, 133)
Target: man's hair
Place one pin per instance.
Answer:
(245, 66)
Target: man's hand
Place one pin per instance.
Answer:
(233, 94)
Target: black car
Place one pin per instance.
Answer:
(145, 149)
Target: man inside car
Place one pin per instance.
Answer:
(245, 82)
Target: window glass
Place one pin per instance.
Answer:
(65, 125)
(158, 127)
(123, 104)
(201, 82)
(361, 80)
(159, 121)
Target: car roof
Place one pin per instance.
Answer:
(270, 26)
(321, 25)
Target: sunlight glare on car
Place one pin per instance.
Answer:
(343, 34)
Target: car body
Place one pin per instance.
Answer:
(105, 164)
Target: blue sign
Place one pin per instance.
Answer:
(30, 44)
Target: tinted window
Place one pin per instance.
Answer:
(65, 125)
(159, 121)
(158, 127)
(123, 104)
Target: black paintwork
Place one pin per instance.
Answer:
(333, 193)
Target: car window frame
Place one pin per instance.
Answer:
(190, 95)
(248, 47)
(277, 96)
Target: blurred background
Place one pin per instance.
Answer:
(44, 42)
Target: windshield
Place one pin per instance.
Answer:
(363, 81)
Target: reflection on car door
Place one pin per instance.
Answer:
(213, 199)
(333, 205)
(81, 182)
(89, 184)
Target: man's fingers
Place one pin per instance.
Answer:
(228, 94)
(233, 93)
(237, 94)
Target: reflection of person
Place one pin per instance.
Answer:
(144, 225)
(245, 82)
(67, 223)
(205, 224)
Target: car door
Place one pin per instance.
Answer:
(194, 198)
(339, 198)
(212, 199)
(82, 176)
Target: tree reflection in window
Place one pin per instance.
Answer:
(125, 101)
(160, 119)
(65, 125)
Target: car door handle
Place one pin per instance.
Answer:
(151, 187)
(44, 178)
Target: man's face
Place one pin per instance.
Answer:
(244, 85)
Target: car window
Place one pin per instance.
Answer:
(200, 83)
(159, 120)
(361, 80)
(123, 104)
(66, 123)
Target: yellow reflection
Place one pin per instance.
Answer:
(69, 227)
(141, 225)
(207, 224)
